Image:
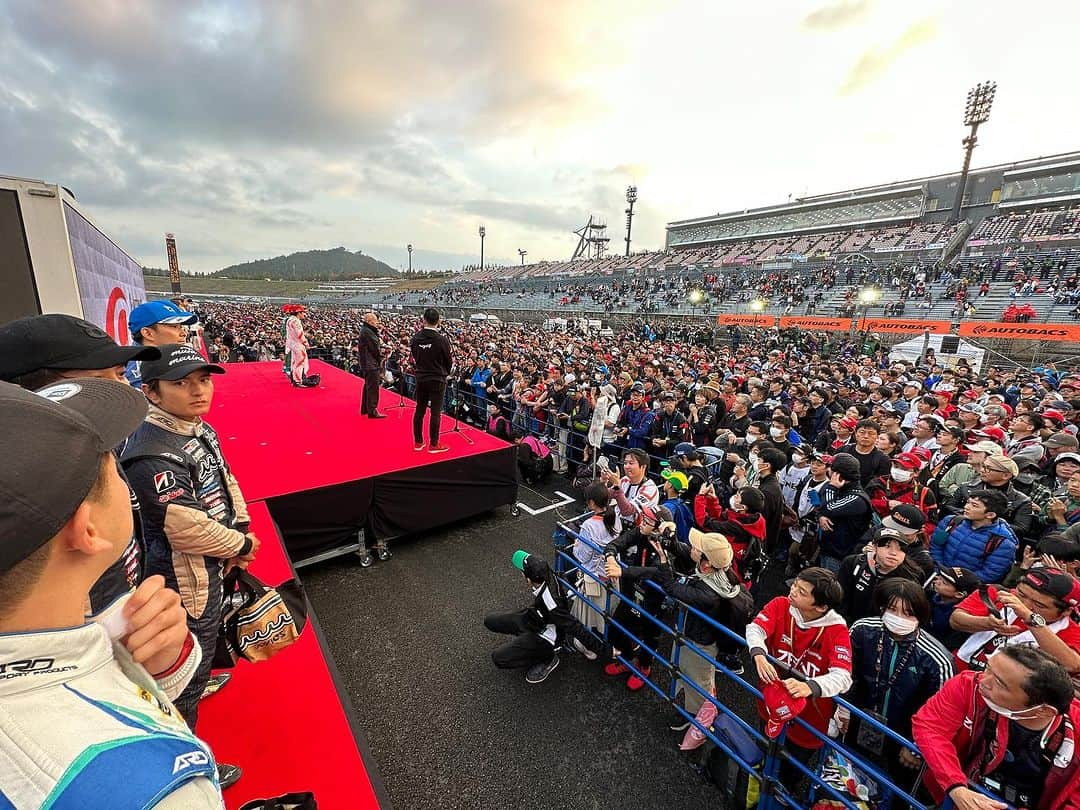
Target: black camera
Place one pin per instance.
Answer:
(667, 539)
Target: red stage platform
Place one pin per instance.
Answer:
(284, 721)
(311, 466)
(327, 473)
(280, 439)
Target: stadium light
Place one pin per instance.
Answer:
(980, 99)
(868, 296)
(696, 297)
(757, 305)
(483, 233)
(522, 254)
(409, 248)
(631, 198)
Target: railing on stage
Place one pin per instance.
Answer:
(772, 793)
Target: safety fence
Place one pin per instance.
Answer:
(841, 775)
(568, 445)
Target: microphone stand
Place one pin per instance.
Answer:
(457, 429)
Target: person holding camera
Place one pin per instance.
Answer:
(634, 489)
(713, 590)
(636, 549)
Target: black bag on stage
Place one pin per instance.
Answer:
(288, 801)
(257, 621)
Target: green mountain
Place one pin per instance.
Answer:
(311, 265)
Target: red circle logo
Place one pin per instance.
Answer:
(116, 317)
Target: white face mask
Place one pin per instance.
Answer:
(898, 624)
(754, 458)
(734, 504)
(900, 475)
(797, 459)
(777, 433)
(1013, 714)
(751, 438)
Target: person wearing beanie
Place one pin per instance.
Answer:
(539, 630)
(844, 514)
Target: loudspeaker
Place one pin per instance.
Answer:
(950, 344)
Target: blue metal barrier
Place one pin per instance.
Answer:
(773, 793)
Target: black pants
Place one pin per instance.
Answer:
(206, 629)
(641, 628)
(369, 404)
(525, 649)
(429, 394)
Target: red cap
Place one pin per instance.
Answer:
(971, 393)
(780, 707)
(909, 461)
(993, 433)
(849, 423)
(946, 395)
(1056, 416)
(922, 453)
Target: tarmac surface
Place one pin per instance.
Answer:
(449, 730)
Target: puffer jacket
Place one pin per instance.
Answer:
(988, 551)
(639, 422)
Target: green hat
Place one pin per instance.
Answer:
(519, 559)
(678, 480)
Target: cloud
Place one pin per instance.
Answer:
(875, 63)
(837, 15)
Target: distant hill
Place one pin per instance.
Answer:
(311, 265)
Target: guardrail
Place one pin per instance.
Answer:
(772, 793)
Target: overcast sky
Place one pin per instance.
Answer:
(253, 129)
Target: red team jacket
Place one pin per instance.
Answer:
(812, 651)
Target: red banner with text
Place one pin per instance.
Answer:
(905, 326)
(816, 324)
(746, 320)
(1058, 332)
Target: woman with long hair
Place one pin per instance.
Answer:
(597, 530)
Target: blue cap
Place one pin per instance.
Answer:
(683, 449)
(154, 312)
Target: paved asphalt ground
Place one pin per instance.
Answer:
(446, 728)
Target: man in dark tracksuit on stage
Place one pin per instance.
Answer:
(370, 362)
(433, 363)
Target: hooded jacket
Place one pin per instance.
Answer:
(818, 650)
(950, 732)
(740, 528)
(849, 510)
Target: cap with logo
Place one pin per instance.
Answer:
(1055, 583)
(780, 707)
(155, 312)
(905, 518)
(58, 341)
(963, 579)
(53, 445)
(684, 450)
(176, 362)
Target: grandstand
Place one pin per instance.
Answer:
(1018, 220)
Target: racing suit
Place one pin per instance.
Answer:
(82, 725)
(194, 519)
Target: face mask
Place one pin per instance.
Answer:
(900, 625)
(797, 459)
(777, 433)
(750, 438)
(734, 504)
(900, 475)
(1013, 714)
(753, 458)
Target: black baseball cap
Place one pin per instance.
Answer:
(963, 579)
(62, 342)
(906, 518)
(176, 362)
(53, 444)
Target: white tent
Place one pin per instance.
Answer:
(912, 350)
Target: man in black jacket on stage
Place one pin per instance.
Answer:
(370, 362)
(432, 362)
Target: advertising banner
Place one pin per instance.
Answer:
(110, 281)
(1058, 332)
(905, 326)
(813, 324)
(746, 320)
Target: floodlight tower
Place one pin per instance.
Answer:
(631, 198)
(522, 253)
(409, 247)
(483, 233)
(980, 99)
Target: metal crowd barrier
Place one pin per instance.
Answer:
(772, 792)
